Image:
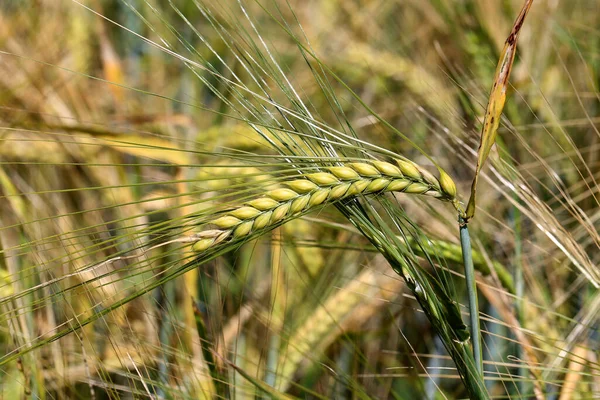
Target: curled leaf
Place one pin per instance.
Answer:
(496, 102)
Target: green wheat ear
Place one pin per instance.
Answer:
(319, 188)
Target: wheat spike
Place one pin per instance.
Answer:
(314, 189)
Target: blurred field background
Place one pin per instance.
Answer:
(114, 143)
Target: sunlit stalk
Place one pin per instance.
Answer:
(465, 242)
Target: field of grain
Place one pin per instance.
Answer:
(269, 199)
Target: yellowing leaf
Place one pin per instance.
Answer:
(496, 102)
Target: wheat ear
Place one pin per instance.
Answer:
(319, 188)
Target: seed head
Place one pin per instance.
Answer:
(203, 244)
(263, 220)
(318, 197)
(344, 173)
(388, 169)
(243, 229)
(398, 185)
(337, 192)
(282, 194)
(365, 169)
(377, 185)
(409, 169)
(317, 188)
(323, 179)
(245, 212)
(447, 184)
(302, 185)
(226, 222)
(263, 203)
(417, 188)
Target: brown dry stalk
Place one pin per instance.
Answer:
(319, 188)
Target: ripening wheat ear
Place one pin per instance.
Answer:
(319, 188)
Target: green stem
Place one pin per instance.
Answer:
(219, 377)
(465, 242)
(520, 292)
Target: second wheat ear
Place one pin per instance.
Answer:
(319, 188)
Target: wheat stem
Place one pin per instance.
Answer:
(320, 188)
(465, 241)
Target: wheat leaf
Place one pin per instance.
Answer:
(496, 102)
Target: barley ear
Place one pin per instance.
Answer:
(320, 188)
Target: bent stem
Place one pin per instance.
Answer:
(465, 243)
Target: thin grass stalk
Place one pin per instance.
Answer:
(277, 313)
(465, 242)
(219, 378)
(166, 294)
(343, 369)
(523, 371)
